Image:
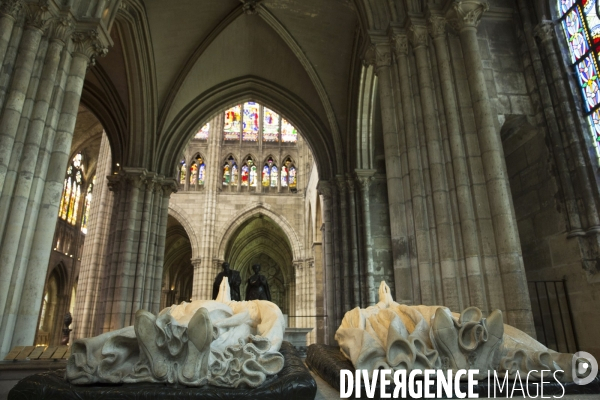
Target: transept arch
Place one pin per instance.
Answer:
(180, 215)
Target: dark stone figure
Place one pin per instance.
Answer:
(234, 279)
(257, 288)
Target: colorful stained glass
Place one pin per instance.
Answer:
(182, 172)
(590, 11)
(233, 120)
(234, 174)
(203, 132)
(588, 79)
(289, 134)
(226, 175)
(274, 176)
(69, 203)
(594, 119)
(284, 176)
(292, 177)
(576, 35)
(193, 173)
(201, 173)
(245, 172)
(266, 178)
(88, 204)
(250, 132)
(564, 5)
(270, 125)
(253, 176)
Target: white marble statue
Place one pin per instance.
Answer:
(395, 336)
(222, 343)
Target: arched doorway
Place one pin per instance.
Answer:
(259, 240)
(178, 272)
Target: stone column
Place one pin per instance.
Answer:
(354, 269)
(86, 47)
(93, 260)
(168, 186)
(419, 38)
(418, 194)
(468, 225)
(365, 178)
(9, 10)
(393, 171)
(36, 20)
(465, 16)
(345, 256)
(329, 286)
(545, 31)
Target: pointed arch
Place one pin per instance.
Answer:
(252, 210)
(181, 216)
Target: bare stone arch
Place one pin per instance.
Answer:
(250, 211)
(181, 216)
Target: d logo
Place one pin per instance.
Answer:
(584, 368)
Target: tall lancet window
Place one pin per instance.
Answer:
(69, 202)
(88, 203)
(581, 25)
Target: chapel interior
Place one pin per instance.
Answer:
(450, 148)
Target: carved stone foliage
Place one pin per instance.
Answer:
(250, 6)
(383, 56)
(88, 44)
(418, 36)
(11, 8)
(437, 26)
(466, 14)
(545, 31)
(37, 15)
(400, 44)
(61, 28)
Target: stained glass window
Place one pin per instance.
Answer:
(581, 26)
(270, 125)
(266, 176)
(250, 132)
(232, 127)
(193, 173)
(284, 176)
(203, 132)
(274, 176)
(201, 173)
(182, 172)
(88, 204)
(226, 174)
(289, 134)
(69, 202)
(245, 172)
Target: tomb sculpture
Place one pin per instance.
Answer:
(234, 280)
(395, 336)
(257, 287)
(218, 342)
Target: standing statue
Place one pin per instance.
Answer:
(257, 288)
(234, 279)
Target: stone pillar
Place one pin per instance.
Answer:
(36, 20)
(545, 31)
(353, 226)
(468, 224)
(364, 178)
(426, 294)
(465, 16)
(9, 10)
(345, 256)
(93, 260)
(328, 256)
(393, 171)
(86, 47)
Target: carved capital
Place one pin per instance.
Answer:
(168, 186)
(61, 29)
(400, 44)
(324, 189)
(383, 55)
(418, 36)
(370, 57)
(545, 31)
(341, 184)
(37, 15)
(11, 8)
(466, 14)
(364, 177)
(437, 26)
(250, 6)
(114, 183)
(88, 44)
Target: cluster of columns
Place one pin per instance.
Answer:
(44, 55)
(452, 214)
(453, 229)
(125, 273)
